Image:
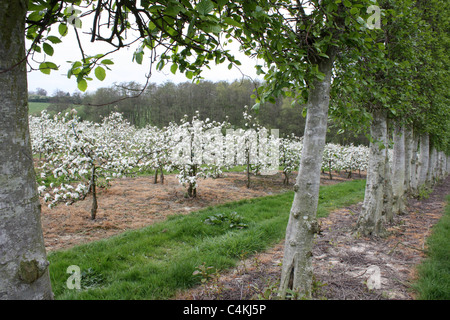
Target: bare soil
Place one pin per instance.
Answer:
(343, 263)
(132, 203)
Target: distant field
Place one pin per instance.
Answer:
(37, 107)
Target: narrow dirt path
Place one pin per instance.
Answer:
(343, 264)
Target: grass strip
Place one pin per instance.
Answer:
(433, 281)
(157, 261)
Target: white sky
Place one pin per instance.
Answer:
(123, 70)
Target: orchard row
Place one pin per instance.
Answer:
(77, 156)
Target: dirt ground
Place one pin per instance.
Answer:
(343, 264)
(132, 203)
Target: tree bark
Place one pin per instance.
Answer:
(388, 193)
(94, 206)
(432, 166)
(415, 165)
(398, 184)
(297, 262)
(408, 158)
(370, 221)
(23, 261)
(424, 160)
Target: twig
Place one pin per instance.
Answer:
(406, 245)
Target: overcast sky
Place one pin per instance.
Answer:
(123, 70)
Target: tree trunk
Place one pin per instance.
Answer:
(155, 181)
(415, 165)
(424, 160)
(408, 158)
(162, 174)
(398, 184)
(297, 262)
(432, 166)
(94, 206)
(23, 261)
(370, 221)
(388, 193)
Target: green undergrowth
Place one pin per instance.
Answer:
(157, 261)
(434, 272)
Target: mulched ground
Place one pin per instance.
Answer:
(344, 264)
(133, 203)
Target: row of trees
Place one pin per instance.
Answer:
(382, 64)
(76, 157)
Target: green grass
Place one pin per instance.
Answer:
(434, 273)
(37, 107)
(156, 261)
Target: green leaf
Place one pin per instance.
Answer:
(63, 30)
(256, 106)
(54, 39)
(52, 66)
(107, 62)
(44, 68)
(138, 56)
(82, 85)
(304, 112)
(174, 68)
(189, 75)
(347, 3)
(47, 67)
(100, 73)
(354, 10)
(232, 22)
(205, 7)
(48, 49)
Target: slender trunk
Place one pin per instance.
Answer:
(398, 184)
(297, 262)
(408, 158)
(248, 167)
(192, 190)
(388, 193)
(94, 206)
(424, 160)
(162, 175)
(155, 181)
(370, 221)
(23, 260)
(415, 164)
(329, 170)
(432, 167)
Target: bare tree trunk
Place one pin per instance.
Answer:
(398, 184)
(388, 194)
(162, 174)
(370, 221)
(23, 261)
(415, 164)
(155, 181)
(408, 158)
(94, 206)
(432, 166)
(297, 262)
(424, 159)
